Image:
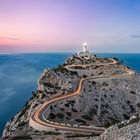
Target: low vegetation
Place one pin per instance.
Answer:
(87, 117)
(131, 121)
(92, 111)
(81, 121)
(81, 135)
(60, 115)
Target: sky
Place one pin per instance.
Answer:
(63, 25)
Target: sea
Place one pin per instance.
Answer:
(19, 74)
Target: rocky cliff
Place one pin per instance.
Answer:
(110, 98)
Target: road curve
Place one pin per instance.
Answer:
(39, 123)
(75, 65)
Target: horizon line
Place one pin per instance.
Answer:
(67, 52)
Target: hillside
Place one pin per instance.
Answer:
(109, 94)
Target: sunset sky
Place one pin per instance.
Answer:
(63, 25)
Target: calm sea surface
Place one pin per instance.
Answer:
(19, 74)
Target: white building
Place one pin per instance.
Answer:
(85, 52)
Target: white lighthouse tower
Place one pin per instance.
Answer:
(84, 47)
(85, 52)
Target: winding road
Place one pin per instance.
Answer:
(39, 122)
(78, 65)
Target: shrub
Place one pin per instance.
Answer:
(84, 76)
(81, 121)
(61, 69)
(126, 116)
(51, 108)
(68, 113)
(105, 95)
(52, 116)
(21, 123)
(132, 92)
(50, 85)
(86, 117)
(107, 124)
(96, 99)
(96, 106)
(106, 105)
(92, 111)
(73, 73)
(113, 120)
(93, 82)
(100, 73)
(132, 108)
(104, 112)
(96, 67)
(74, 110)
(67, 104)
(71, 102)
(105, 84)
(62, 109)
(52, 133)
(138, 104)
(21, 138)
(82, 135)
(43, 96)
(135, 120)
(60, 115)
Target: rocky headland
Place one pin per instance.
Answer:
(107, 98)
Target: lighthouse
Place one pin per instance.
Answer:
(85, 52)
(84, 47)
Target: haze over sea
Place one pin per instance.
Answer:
(19, 74)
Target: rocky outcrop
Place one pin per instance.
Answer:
(50, 84)
(102, 102)
(125, 130)
(109, 99)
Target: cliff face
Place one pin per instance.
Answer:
(125, 130)
(102, 102)
(50, 84)
(109, 96)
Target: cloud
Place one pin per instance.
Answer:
(135, 36)
(9, 38)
